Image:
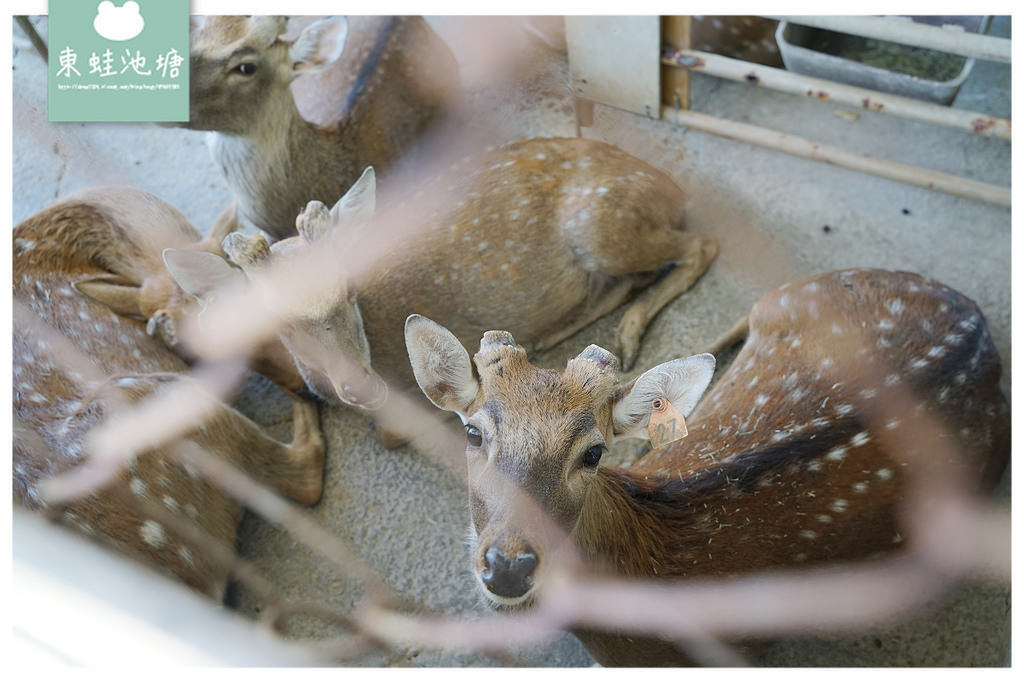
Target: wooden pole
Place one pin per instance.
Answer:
(821, 89)
(675, 83)
(807, 149)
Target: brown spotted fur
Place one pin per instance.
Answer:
(59, 398)
(576, 224)
(799, 466)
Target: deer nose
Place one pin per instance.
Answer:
(369, 391)
(509, 577)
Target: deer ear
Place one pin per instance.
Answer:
(441, 364)
(122, 299)
(681, 381)
(359, 202)
(319, 45)
(200, 273)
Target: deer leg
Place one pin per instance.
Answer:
(599, 307)
(695, 254)
(295, 469)
(735, 335)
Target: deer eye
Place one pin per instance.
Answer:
(473, 436)
(592, 455)
(246, 68)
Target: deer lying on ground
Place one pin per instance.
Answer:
(77, 362)
(369, 87)
(790, 459)
(547, 236)
(126, 230)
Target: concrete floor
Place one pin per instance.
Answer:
(406, 516)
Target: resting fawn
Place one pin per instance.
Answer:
(77, 363)
(792, 459)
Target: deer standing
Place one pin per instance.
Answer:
(795, 457)
(77, 362)
(369, 88)
(547, 236)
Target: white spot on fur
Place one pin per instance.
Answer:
(886, 324)
(895, 306)
(838, 505)
(936, 351)
(137, 486)
(892, 424)
(809, 534)
(171, 503)
(844, 409)
(836, 454)
(860, 487)
(859, 439)
(884, 474)
(824, 519)
(153, 534)
(186, 556)
(760, 400)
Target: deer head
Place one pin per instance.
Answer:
(241, 68)
(537, 431)
(324, 333)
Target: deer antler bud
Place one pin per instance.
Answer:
(244, 250)
(314, 221)
(603, 358)
(495, 339)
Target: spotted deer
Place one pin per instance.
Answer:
(797, 456)
(78, 363)
(299, 118)
(546, 236)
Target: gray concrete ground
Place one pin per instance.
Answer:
(407, 517)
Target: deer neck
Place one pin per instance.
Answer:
(633, 526)
(276, 155)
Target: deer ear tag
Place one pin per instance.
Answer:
(666, 423)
